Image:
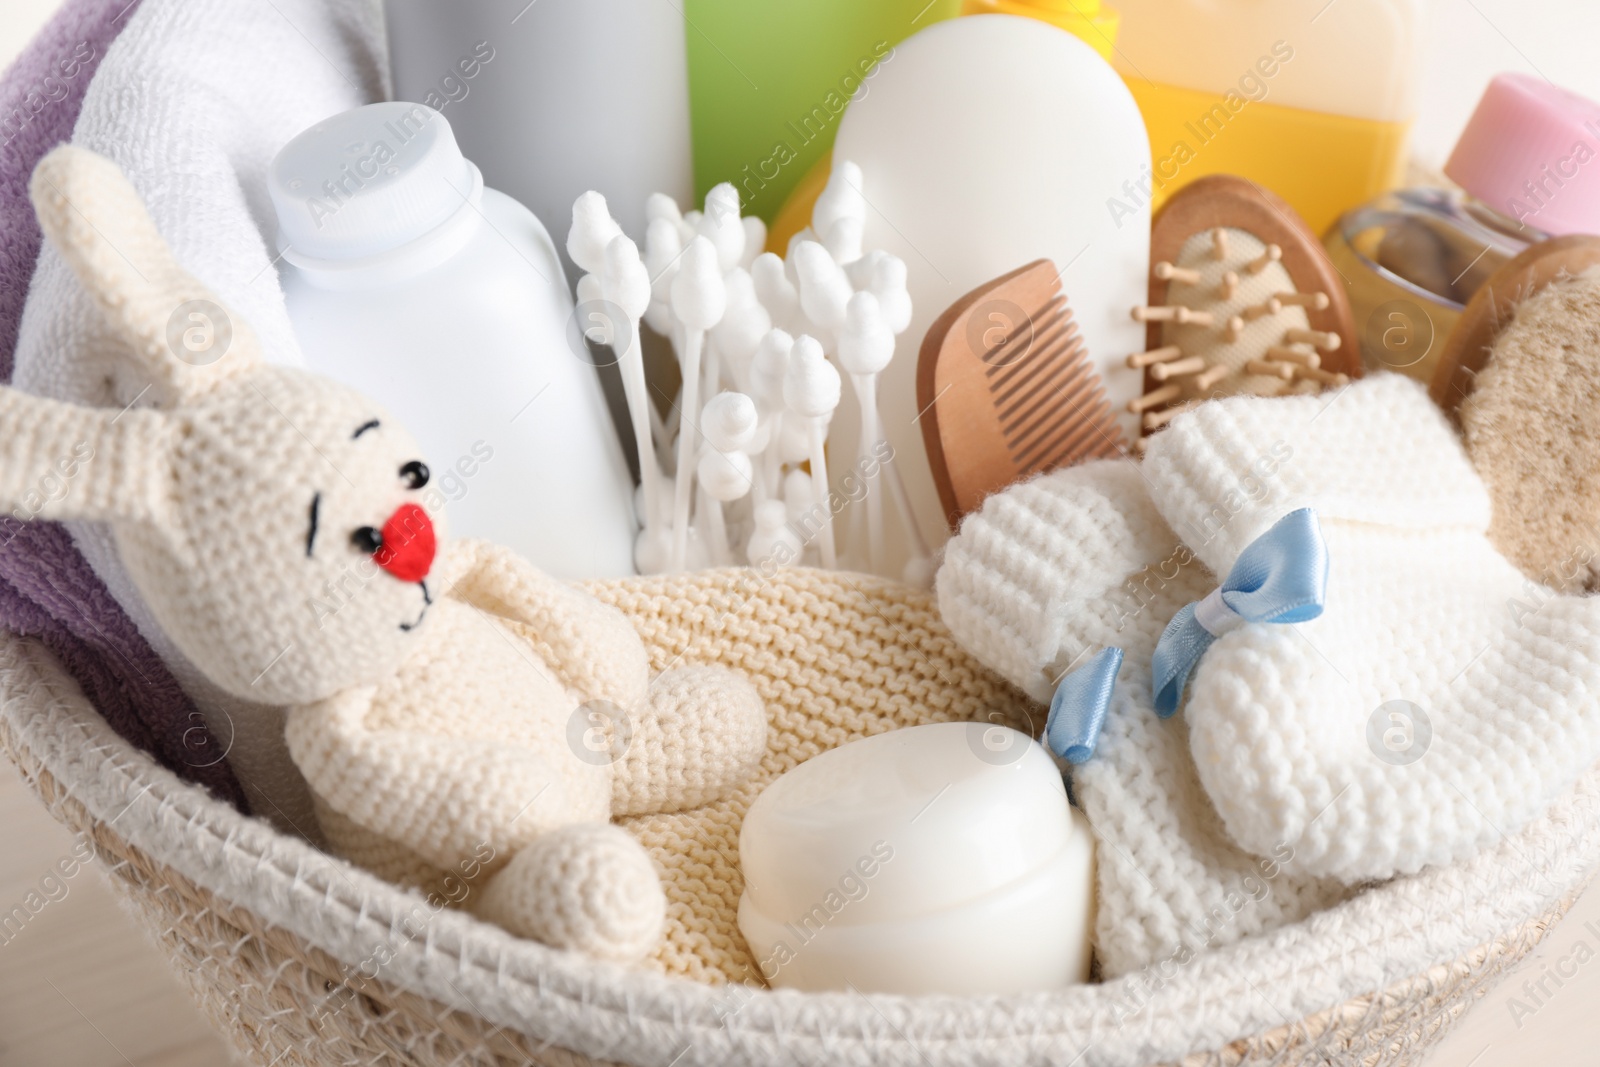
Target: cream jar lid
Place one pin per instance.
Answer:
(953, 841)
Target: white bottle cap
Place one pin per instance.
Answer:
(368, 181)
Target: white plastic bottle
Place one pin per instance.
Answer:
(445, 302)
(557, 97)
(988, 142)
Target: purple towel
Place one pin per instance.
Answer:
(46, 589)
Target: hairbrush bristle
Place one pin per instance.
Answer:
(1233, 321)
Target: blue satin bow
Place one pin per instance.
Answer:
(1280, 577)
(1078, 709)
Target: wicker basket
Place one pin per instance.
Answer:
(299, 958)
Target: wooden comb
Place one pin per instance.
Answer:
(1006, 390)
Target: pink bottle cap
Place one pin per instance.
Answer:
(1532, 151)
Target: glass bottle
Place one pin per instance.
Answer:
(1526, 169)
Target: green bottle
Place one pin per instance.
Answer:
(769, 79)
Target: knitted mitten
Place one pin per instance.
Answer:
(1049, 572)
(1438, 703)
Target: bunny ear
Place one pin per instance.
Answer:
(176, 328)
(63, 461)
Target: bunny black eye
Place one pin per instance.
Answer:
(414, 474)
(367, 539)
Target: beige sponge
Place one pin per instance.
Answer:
(1531, 428)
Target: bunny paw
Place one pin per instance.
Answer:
(702, 733)
(588, 888)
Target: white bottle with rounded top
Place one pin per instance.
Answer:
(988, 142)
(445, 302)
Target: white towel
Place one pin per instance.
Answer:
(192, 101)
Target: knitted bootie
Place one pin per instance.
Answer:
(1046, 574)
(1439, 702)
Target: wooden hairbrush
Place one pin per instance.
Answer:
(1242, 300)
(1006, 390)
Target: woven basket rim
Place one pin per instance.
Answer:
(1389, 935)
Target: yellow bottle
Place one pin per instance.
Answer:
(1316, 105)
(1088, 20)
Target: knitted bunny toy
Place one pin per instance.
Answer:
(452, 707)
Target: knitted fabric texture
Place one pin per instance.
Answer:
(1440, 702)
(1530, 430)
(834, 657)
(1050, 571)
(608, 899)
(47, 590)
(238, 506)
(513, 731)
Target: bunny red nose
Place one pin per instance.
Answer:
(408, 544)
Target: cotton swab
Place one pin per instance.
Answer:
(824, 290)
(797, 495)
(626, 284)
(663, 248)
(698, 302)
(768, 368)
(720, 224)
(688, 226)
(729, 423)
(840, 215)
(887, 282)
(732, 313)
(866, 346)
(775, 291)
(592, 230)
(755, 239)
(592, 291)
(661, 206)
(794, 440)
(743, 326)
(772, 540)
(811, 392)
